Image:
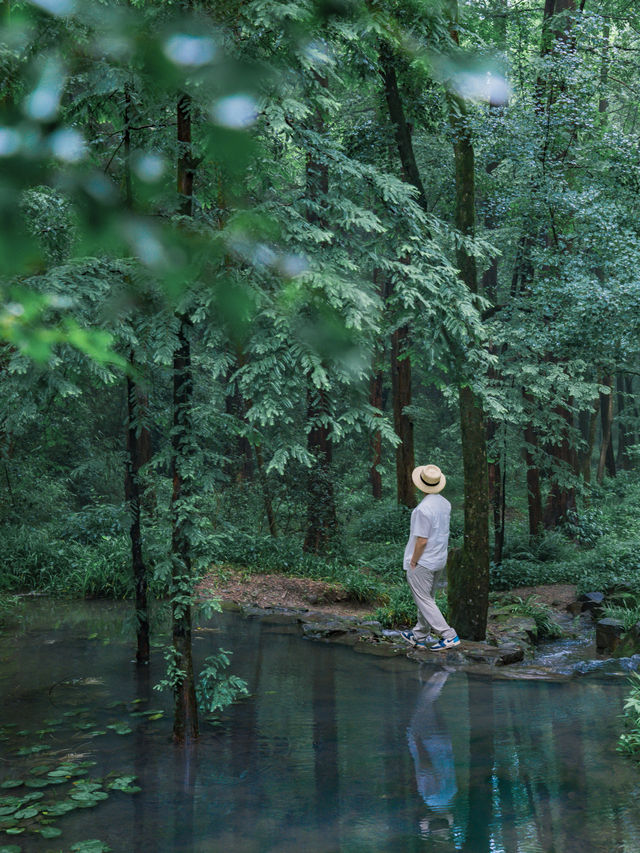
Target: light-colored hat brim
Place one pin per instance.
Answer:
(420, 484)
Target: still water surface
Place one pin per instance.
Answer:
(335, 751)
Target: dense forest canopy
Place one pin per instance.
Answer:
(260, 259)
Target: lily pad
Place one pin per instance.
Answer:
(7, 810)
(12, 783)
(120, 728)
(61, 808)
(50, 832)
(15, 830)
(122, 782)
(25, 814)
(37, 783)
(91, 846)
(10, 848)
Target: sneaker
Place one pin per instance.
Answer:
(446, 644)
(410, 638)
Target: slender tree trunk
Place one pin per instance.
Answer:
(240, 465)
(561, 499)
(266, 493)
(534, 494)
(401, 393)
(322, 522)
(622, 457)
(375, 399)
(606, 461)
(592, 429)
(137, 442)
(400, 360)
(468, 591)
(185, 723)
(321, 510)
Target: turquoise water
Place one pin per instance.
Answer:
(334, 751)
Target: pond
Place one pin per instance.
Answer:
(335, 751)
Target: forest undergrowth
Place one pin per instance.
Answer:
(87, 553)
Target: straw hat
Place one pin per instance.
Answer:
(429, 479)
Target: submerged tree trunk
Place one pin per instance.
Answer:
(468, 592)
(138, 445)
(185, 722)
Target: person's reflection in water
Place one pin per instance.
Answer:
(430, 746)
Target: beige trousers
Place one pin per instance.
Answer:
(422, 584)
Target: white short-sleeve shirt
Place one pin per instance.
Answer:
(430, 520)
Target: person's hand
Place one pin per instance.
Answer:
(412, 564)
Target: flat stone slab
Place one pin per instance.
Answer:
(471, 652)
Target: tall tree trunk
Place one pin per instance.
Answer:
(375, 399)
(590, 438)
(401, 393)
(138, 442)
(185, 722)
(240, 465)
(606, 461)
(266, 493)
(622, 457)
(400, 360)
(321, 510)
(534, 494)
(322, 522)
(137, 454)
(561, 499)
(468, 591)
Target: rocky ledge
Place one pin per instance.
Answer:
(369, 637)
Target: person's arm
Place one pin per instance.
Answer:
(421, 544)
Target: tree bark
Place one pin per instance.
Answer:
(185, 722)
(561, 499)
(590, 437)
(375, 399)
(400, 360)
(321, 510)
(138, 445)
(606, 460)
(468, 591)
(622, 457)
(322, 522)
(403, 425)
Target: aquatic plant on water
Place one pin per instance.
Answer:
(629, 741)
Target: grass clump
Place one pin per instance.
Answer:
(629, 740)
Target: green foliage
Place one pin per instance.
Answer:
(10, 609)
(629, 740)
(215, 689)
(531, 606)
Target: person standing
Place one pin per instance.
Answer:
(425, 556)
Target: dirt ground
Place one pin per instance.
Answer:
(263, 590)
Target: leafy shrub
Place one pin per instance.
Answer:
(382, 522)
(41, 558)
(10, 609)
(531, 606)
(629, 740)
(400, 608)
(586, 527)
(216, 689)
